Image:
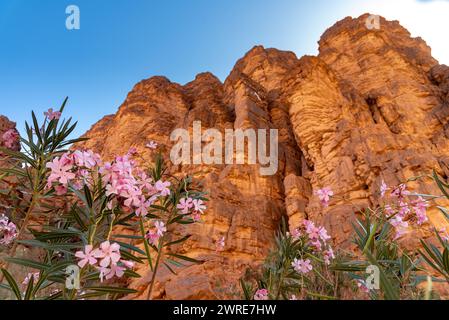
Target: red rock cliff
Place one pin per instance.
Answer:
(372, 106)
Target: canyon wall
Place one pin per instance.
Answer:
(372, 106)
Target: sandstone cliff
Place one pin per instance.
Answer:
(372, 106)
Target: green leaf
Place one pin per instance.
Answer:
(112, 290)
(170, 268)
(177, 241)
(29, 291)
(129, 256)
(184, 258)
(28, 263)
(12, 284)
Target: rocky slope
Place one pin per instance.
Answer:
(372, 106)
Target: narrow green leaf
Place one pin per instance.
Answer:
(12, 284)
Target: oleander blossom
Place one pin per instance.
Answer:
(302, 266)
(383, 189)
(220, 244)
(420, 207)
(198, 206)
(401, 211)
(52, 115)
(160, 228)
(185, 204)
(324, 195)
(152, 237)
(151, 145)
(261, 294)
(8, 231)
(34, 275)
(10, 138)
(109, 253)
(86, 257)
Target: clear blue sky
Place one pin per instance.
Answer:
(124, 41)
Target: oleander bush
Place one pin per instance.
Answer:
(72, 206)
(303, 266)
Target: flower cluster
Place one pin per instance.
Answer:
(195, 207)
(108, 254)
(220, 244)
(125, 184)
(261, 294)
(317, 238)
(34, 275)
(401, 210)
(302, 266)
(324, 195)
(8, 230)
(154, 235)
(52, 115)
(10, 138)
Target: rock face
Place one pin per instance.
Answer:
(373, 106)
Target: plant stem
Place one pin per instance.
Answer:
(153, 277)
(147, 247)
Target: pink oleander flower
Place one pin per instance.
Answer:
(400, 226)
(389, 211)
(328, 256)
(86, 159)
(293, 297)
(52, 115)
(113, 271)
(59, 172)
(133, 195)
(220, 244)
(132, 151)
(160, 228)
(10, 138)
(198, 205)
(324, 195)
(35, 275)
(316, 233)
(142, 208)
(400, 191)
(316, 245)
(152, 237)
(151, 145)
(196, 216)
(128, 264)
(61, 190)
(109, 253)
(261, 294)
(296, 234)
(185, 204)
(420, 207)
(302, 266)
(162, 187)
(383, 189)
(403, 209)
(86, 257)
(8, 231)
